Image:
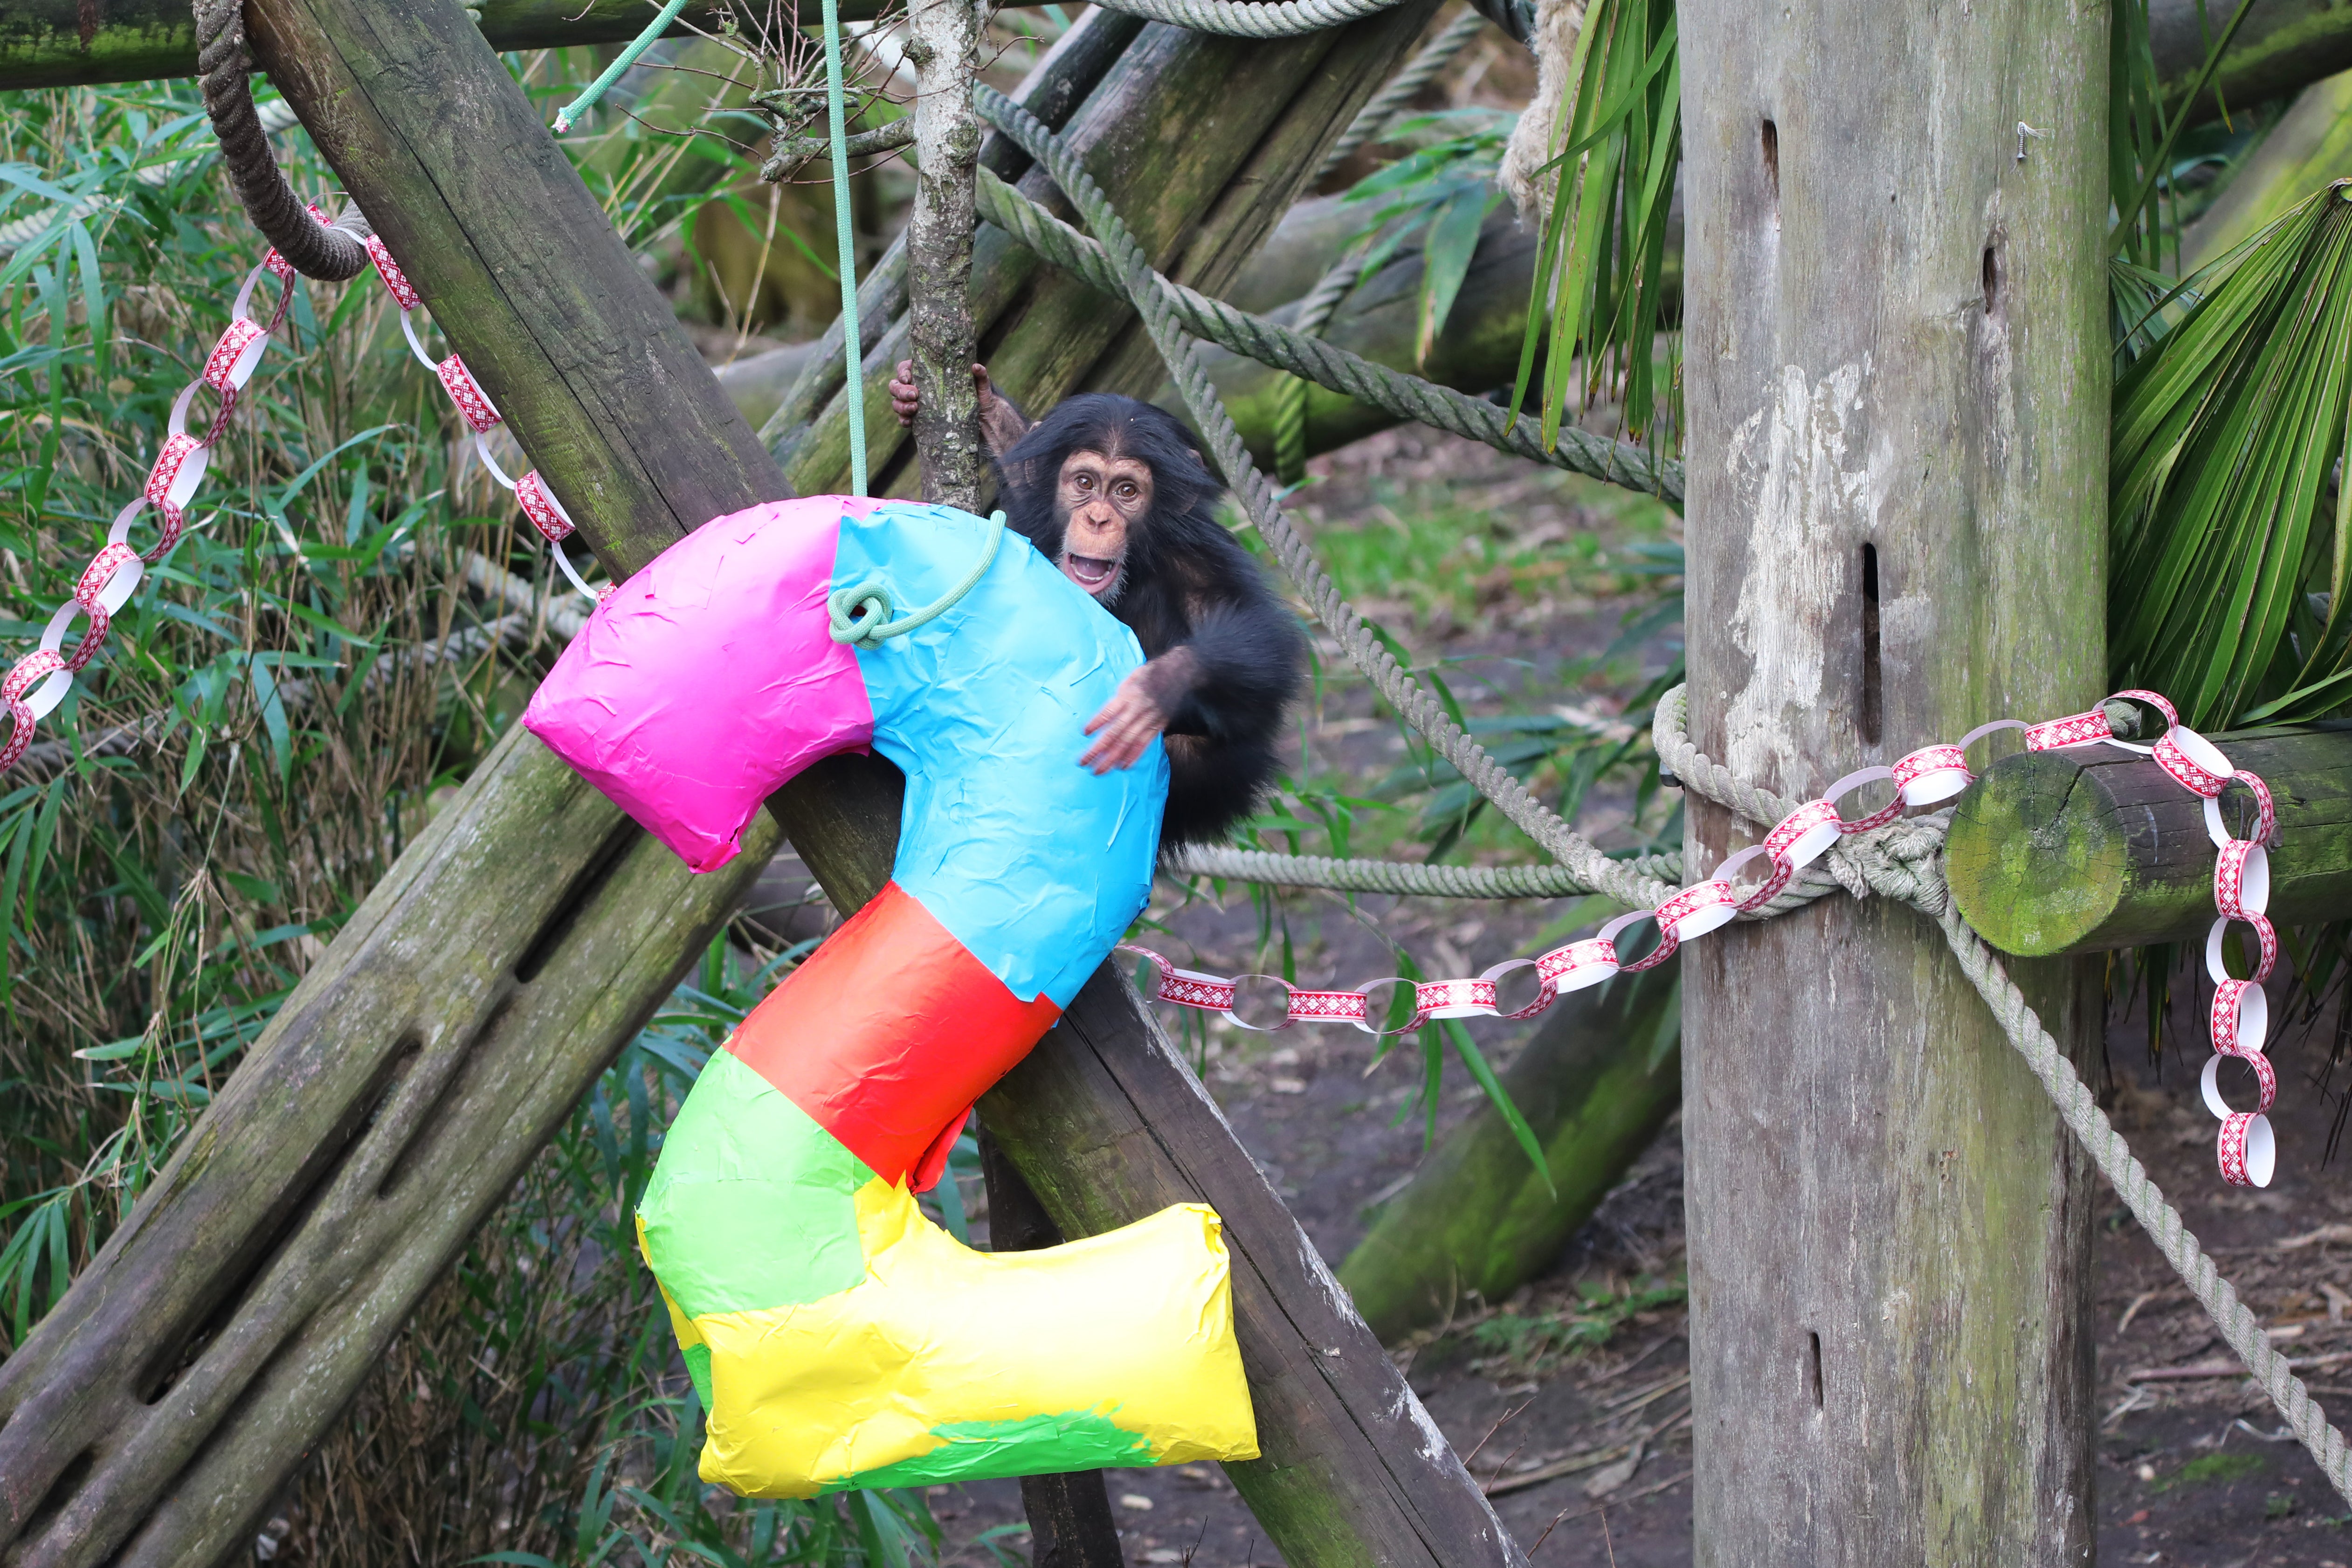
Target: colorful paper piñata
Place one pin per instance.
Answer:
(837, 1337)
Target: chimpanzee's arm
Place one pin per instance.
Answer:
(1249, 661)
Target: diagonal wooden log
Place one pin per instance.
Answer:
(150, 1419)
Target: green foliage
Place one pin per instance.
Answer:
(2143, 142)
(1599, 300)
(2226, 581)
(1442, 194)
(276, 709)
(2214, 1468)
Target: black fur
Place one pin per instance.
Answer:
(1186, 581)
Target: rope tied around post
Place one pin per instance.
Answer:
(861, 613)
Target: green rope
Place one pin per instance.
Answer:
(569, 115)
(851, 342)
(861, 614)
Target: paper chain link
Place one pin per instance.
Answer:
(2239, 1015)
(38, 682)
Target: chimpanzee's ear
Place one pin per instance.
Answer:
(1195, 453)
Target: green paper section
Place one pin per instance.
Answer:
(752, 1205)
(698, 1372)
(993, 1450)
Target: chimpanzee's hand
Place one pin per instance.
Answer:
(906, 397)
(1137, 711)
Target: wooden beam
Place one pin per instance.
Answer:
(153, 1416)
(2091, 848)
(1896, 377)
(66, 43)
(2283, 47)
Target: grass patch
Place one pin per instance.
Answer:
(2214, 1468)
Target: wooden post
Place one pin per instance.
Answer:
(1897, 379)
(2092, 849)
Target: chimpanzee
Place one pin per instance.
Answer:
(1115, 493)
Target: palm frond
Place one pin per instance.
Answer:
(1599, 293)
(2226, 585)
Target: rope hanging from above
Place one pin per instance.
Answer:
(331, 253)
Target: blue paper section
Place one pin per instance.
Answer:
(1031, 862)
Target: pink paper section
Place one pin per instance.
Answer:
(711, 677)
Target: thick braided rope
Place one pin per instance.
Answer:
(1255, 19)
(2076, 1106)
(1391, 101)
(1902, 860)
(1396, 684)
(1398, 877)
(1269, 342)
(314, 249)
(1315, 314)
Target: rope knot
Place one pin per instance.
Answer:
(861, 615)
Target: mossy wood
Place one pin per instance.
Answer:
(59, 43)
(1895, 378)
(1596, 1081)
(2091, 848)
(154, 1415)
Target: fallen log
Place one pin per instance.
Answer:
(2092, 848)
(1597, 1081)
(151, 1418)
(65, 43)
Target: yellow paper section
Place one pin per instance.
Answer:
(1134, 1327)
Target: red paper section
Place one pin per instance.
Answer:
(889, 1033)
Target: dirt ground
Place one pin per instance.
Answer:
(1586, 1455)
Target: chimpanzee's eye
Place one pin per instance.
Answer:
(1127, 490)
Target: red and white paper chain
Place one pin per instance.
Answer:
(34, 687)
(2241, 1010)
(481, 416)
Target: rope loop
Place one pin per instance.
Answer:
(861, 613)
(333, 253)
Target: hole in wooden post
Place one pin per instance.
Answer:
(1813, 1367)
(1868, 719)
(1991, 279)
(1773, 162)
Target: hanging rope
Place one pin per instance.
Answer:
(1392, 100)
(571, 113)
(861, 614)
(846, 245)
(1153, 300)
(330, 253)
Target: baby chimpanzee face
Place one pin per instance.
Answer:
(1103, 502)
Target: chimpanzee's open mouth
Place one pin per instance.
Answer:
(1089, 571)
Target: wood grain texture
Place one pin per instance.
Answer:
(2091, 848)
(1895, 367)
